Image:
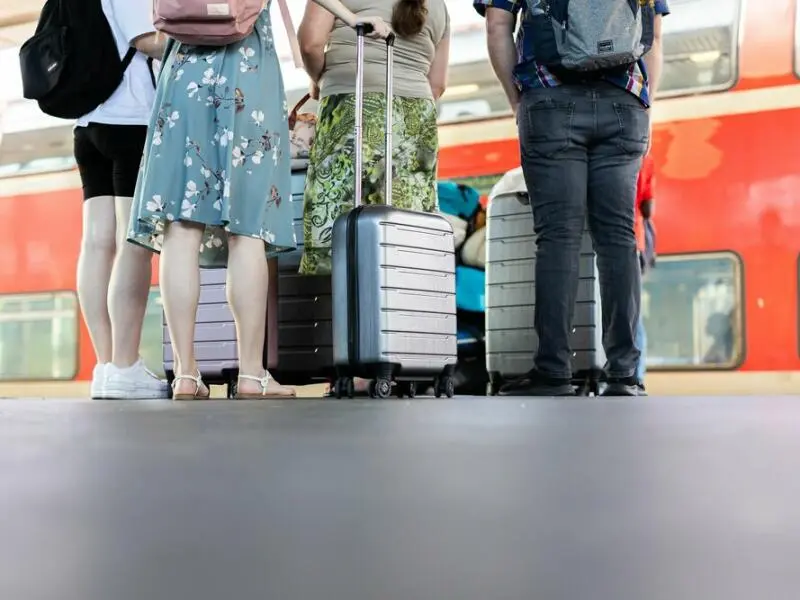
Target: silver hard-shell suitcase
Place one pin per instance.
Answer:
(215, 331)
(393, 283)
(510, 297)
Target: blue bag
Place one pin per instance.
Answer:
(470, 289)
(458, 200)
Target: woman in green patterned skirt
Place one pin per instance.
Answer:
(420, 73)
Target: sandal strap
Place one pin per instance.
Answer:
(198, 379)
(263, 381)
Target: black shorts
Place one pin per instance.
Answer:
(108, 158)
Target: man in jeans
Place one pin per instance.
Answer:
(582, 138)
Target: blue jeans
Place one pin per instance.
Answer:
(581, 147)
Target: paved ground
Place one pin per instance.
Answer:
(470, 499)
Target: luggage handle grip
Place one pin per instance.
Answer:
(363, 29)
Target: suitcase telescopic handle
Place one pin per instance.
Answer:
(363, 29)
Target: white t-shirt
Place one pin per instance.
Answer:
(132, 102)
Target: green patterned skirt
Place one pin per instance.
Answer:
(330, 184)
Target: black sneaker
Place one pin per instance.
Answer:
(624, 386)
(537, 384)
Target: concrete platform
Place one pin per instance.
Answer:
(471, 499)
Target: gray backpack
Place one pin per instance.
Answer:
(590, 35)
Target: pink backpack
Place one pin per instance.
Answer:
(204, 23)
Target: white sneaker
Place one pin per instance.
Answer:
(134, 382)
(98, 387)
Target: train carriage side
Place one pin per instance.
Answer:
(721, 308)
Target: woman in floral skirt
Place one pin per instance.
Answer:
(421, 54)
(214, 188)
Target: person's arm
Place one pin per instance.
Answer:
(151, 44)
(339, 10)
(654, 60)
(134, 19)
(312, 35)
(501, 20)
(437, 76)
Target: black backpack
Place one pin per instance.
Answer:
(72, 65)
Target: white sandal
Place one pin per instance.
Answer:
(199, 386)
(282, 391)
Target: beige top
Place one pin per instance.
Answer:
(412, 56)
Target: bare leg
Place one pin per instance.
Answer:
(248, 278)
(128, 291)
(180, 289)
(95, 262)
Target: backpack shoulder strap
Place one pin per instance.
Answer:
(291, 34)
(126, 61)
(152, 71)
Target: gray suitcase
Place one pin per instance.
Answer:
(510, 279)
(393, 283)
(215, 331)
(305, 334)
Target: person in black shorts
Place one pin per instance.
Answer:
(113, 275)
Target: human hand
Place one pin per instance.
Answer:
(313, 90)
(380, 29)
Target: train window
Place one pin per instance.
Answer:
(35, 167)
(693, 312)
(152, 333)
(38, 336)
(701, 46)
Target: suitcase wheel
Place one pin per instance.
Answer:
(445, 386)
(407, 388)
(380, 388)
(496, 381)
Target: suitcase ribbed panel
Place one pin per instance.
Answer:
(510, 294)
(216, 356)
(406, 291)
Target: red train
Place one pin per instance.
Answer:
(721, 308)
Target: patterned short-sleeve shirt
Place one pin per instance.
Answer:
(530, 74)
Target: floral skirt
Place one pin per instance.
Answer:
(330, 183)
(217, 151)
